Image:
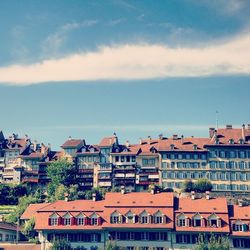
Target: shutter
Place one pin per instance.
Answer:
(188, 222)
(49, 221)
(234, 227)
(99, 220)
(59, 221)
(244, 227)
(86, 221)
(219, 222)
(89, 221)
(204, 222)
(73, 221)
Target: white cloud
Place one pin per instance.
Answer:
(138, 61)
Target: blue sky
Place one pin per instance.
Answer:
(89, 68)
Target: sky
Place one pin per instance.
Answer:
(87, 69)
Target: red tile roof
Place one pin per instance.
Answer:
(32, 209)
(8, 226)
(72, 143)
(107, 141)
(139, 200)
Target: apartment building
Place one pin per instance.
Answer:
(2, 159)
(142, 220)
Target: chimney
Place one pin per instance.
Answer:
(207, 195)
(193, 195)
(123, 190)
(94, 196)
(214, 135)
(149, 139)
(160, 136)
(243, 132)
(182, 139)
(127, 143)
(175, 137)
(140, 141)
(152, 190)
(116, 138)
(248, 126)
(66, 196)
(229, 126)
(70, 138)
(35, 145)
(240, 203)
(211, 132)
(49, 147)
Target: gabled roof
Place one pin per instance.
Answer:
(32, 209)
(202, 205)
(134, 199)
(1, 136)
(8, 226)
(73, 143)
(108, 141)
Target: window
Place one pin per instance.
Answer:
(182, 222)
(67, 221)
(144, 219)
(158, 219)
(213, 223)
(80, 221)
(94, 221)
(54, 221)
(197, 222)
(116, 158)
(115, 219)
(183, 238)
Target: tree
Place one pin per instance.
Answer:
(188, 186)
(112, 246)
(24, 202)
(212, 243)
(203, 185)
(60, 245)
(61, 172)
(28, 229)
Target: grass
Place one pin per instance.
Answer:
(4, 210)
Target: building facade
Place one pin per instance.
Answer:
(139, 220)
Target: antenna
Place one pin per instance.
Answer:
(217, 119)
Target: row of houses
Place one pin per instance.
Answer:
(141, 220)
(223, 157)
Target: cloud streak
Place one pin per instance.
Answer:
(137, 62)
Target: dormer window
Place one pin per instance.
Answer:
(94, 219)
(117, 150)
(195, 147)
(83, 150)
(158, 218)
(172, 146)
(217, 141)
(238, 226)
(197, 220)
(80, 219)
(144, 217)
(241, 141)
(67, 219)
(214, 221)
(92, 150)
(182, 220)
(130, 218)
(54, 219)
(231, 141)
(115, 218)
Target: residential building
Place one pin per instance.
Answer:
(8, 232)
(141, 220)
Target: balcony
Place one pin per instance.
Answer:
(86, 170)
(104, 184)
(120, 163)
(30, 179)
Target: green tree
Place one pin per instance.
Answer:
(28, 229)
(187, 186)
(24, 202)
(61, 172)
(212, 243)
(112, 246)
(202, 185)
(60, 245)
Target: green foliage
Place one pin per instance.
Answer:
(60, 245)
(63, 175)
(112, 246)
(201, 186)
(61, 190)
(28, 229)
(9, 194)
(212, 243)
(100, 193)
(22, 205)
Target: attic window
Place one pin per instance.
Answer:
(217, 141)
(241, 141)
(117, 150)
(83, 149)
(195, 147)
(172, 146)
(231, 141)
(92, 150)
